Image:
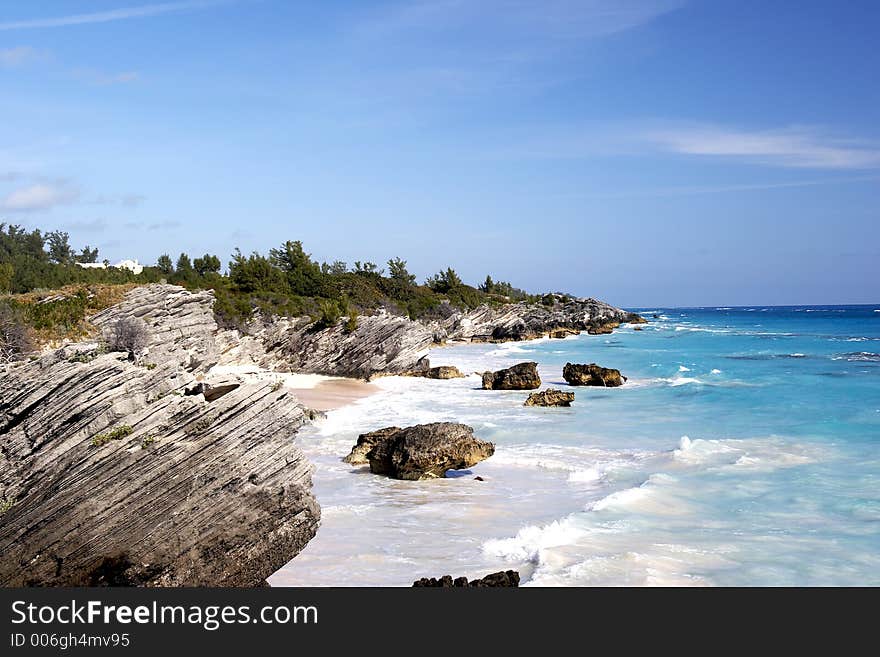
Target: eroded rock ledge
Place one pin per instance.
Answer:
(111, 474)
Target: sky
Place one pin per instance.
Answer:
(646, 152)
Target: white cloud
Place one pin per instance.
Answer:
(789, 147)
(20, 56)
(126, 13)
(40, 196)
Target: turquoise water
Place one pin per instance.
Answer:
(743, 450)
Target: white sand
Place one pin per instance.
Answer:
(316, 391)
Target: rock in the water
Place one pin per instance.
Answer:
(424, 451)
(505, 578)
(366, 442)
(550, 397)
(592, 375)
(637, 328)
(522, 376)
(563, 333)
(112, 475)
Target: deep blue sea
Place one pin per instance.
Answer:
(743, 450)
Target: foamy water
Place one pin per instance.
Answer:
(744, 452)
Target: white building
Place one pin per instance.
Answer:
(131, 265)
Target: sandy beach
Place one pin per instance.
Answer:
(316, 391)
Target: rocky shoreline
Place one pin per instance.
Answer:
(147, 469)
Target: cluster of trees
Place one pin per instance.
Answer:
(286, 281)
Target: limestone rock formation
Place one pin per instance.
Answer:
(550, 397)
(423, 451)
(366, 442)
(592, 375)
(522, 376)
(507, 578)
(111, 474)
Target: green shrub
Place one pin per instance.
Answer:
(118, 433)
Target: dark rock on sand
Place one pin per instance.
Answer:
(504, 578)
(523, 376)
(592, 375)
(439, 372)
(550, 397)
(426, 451)
(366, 442)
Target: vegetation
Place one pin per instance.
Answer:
(286, 282)
(118, 433)
(128, 334)
(5, 505)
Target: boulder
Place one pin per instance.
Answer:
(562, 333)
(550, 397)
(637, 328)
(366, 442)
(506, 578)
(424, 451)
(603, 329)
(439, 372)
(592, 375)
(522, 376)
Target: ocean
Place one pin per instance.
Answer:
(743, 450)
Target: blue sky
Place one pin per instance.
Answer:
(655, 152)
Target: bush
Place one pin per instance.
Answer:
(128, 334)
(115, 434)
(15, 335)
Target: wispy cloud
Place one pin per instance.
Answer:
(21, 56)
(554, 19)
(88, 226)
(40, 196)
(101, 79)
(126, 13)
(794, 147)
(125, 200)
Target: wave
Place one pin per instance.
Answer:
(859, 357)
(715, 371)
(756, 454)
(682, 368)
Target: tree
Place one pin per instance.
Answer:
(184, 264)
(444, 281)
(87, 254)
(337, 268)
(7, 273)
(207, 264)
(488, 286)
(164, 264)
(398, 271)
(255, 273)
(303, 275)
(367, 269)
(59, 247)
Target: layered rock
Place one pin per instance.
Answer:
(503, 578)
(592, 375)
(439, 372)
(550, 397)
(423, 451)
(522, 376)
(112, 474)
(385, 344)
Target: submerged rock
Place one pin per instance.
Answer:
(592, 375)
(366, 442)
(522, 376)
(503, 578)
(423, 451)
(550, 397)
